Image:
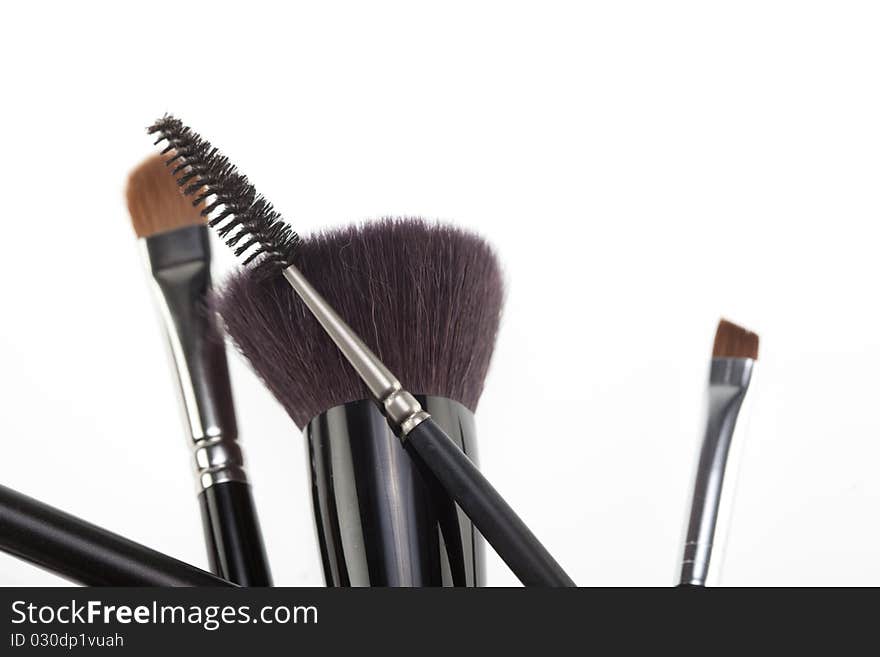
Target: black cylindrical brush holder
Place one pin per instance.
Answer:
(381, 519)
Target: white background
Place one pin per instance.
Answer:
(643, 168)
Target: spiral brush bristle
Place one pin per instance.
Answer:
(242, 217)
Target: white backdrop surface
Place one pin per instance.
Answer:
(643, 168)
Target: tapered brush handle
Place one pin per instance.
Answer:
(711, 501)
(492, 516)
(84, 552)
(232, 534)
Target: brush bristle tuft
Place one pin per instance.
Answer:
(244, 218)
(733, 341)
(155, 202)
(425, 297)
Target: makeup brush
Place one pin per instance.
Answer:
(428, 297)
(85, 553)
(733, 359)
(256, 232)
(178, 255)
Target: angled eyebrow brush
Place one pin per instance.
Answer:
(734, 355)
(257, 233)
(178, 256)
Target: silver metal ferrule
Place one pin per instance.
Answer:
(711, 502)
(397, 405)
(180, 264)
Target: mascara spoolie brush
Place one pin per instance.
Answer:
(734, 355)
(85, 553)
(426, 296)
(256, 232)
(175, 242)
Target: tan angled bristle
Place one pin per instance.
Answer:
(155, 202)
(733, 341)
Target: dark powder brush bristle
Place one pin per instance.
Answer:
(426, 297)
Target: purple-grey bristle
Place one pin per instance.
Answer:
(426, 297)
(244, 218)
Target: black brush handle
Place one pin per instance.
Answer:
(491, 515)
(232, 534)
(86, 553)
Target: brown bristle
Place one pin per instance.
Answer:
(156, 203)
(733, 341)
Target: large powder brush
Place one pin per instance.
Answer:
(427, 299)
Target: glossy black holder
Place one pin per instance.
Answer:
(381, 519)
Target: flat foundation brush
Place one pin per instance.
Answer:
(426, 296)
(733, 360)
(257, 233)
(175, 241)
